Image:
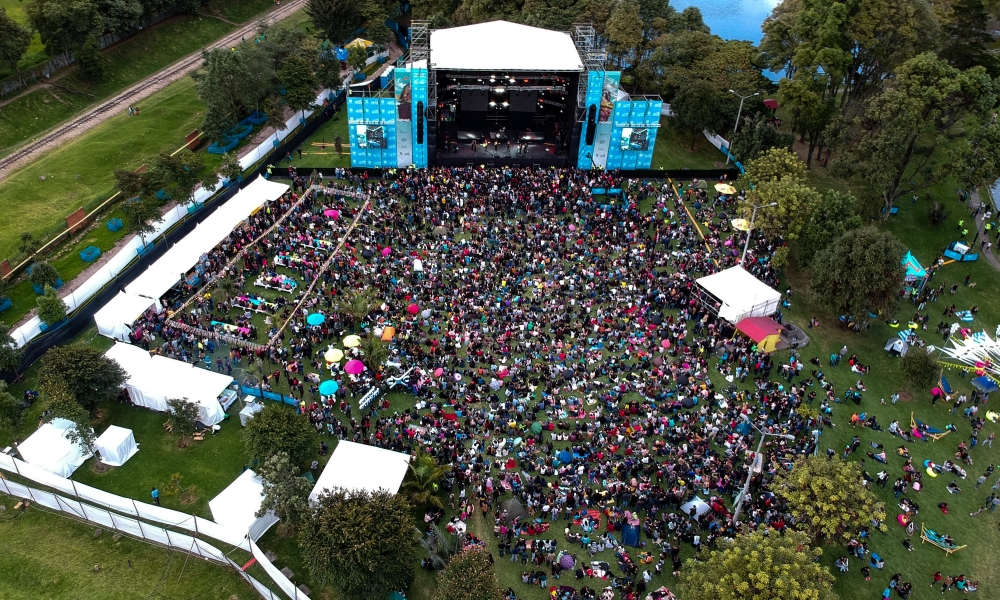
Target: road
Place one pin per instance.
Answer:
(95, 115)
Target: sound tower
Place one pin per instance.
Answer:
(591, 124)
(420, 122)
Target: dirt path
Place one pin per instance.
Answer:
(134, 93)
(980, 220)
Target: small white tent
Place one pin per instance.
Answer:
(116, 445)
(361, 467)
(236, 507)
(115, 319)
(735, 294)
(49, 449)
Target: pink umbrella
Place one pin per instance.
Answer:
(665, 343)
(458, 377)
(413, 309)
(572, 227)
(354, 367)
(331, 213)
(386, 251)
(438, 372)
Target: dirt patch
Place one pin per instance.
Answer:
(100, 468)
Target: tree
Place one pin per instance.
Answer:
(920, 108)
(357, 304)
(276, 429)
(121, 16)
(230, 167)
(375, 350)
(10, 353)
(140, 217)
(89, 376)
(834, 216)
(179, 173)
(966, 38)
(757, 136)
(776, 177)
(920, 369)
(807, 94)
(65, 24)
(357, 57)
(468, 576)
(51, 308)
(14, 41)
(441, 546)
(286, 494)
(360, 542)
(335, 19)
(761, 565)
(422, 479)
(976, 163)
(859, 272)
(11, 415)
(43, 274)
(183, 415)
(300, 83)
(187, 495)
(89, 58)
(60, 404)
(828, 498)
(698, 106)
(29, 244)
(128, 182)
(225, 288)
(234, 83)
(624, 31)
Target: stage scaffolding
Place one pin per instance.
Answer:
(594, 58)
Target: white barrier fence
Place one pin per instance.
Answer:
(135, 508)
(32, 328)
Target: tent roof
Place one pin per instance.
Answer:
(503, 46)
(736, 282)
(235, 507)
(985, 384)
(357, 467)
(113, 436)
(49, 449)
(114, 319)
(758, 328)
(913, 268)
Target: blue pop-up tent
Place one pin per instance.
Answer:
(985, 385)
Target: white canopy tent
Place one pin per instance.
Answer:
(248, 412)
(49, 449)
(116, 445)
(236, 507)
(736, 294)
(504, 47)
(153, 380)
(357, 467)
(115, 319)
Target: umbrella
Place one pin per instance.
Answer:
(334, 355)
(458, 377)
(725, 188)
(315, 319)
(656, 318)
(569, 373)
(741, 224)
(658, 361)
(440, 231)
(665, 343)
(536, 428)
(367, 253)
(412, 309)
(567, 561)
(438, 372)
(333, 214)
(425, 313)
(572, 227)
(386, 251)
(354, 367)
(329, 387)
(352, 341)
(565, 456)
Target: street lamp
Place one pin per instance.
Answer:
(750, 228)
(746, 486)
(738, 113)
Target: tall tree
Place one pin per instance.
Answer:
(777, 177)
(121, 16)
(468, 576)
(61, 404)
(234, 83)
(976, 163)
(698, 106)
(926, 101)
(336, 19)
(422, 480)
(807, 94)
(966, 38)
(11, 415)
(761, 565)
(757, 136)
(90, 60)
(859, 272)
(835, 215)
(179, 173)
(624, 32)
(183, 416)
(300, 83)
(43, 274)
(360, 542)
(51, 308)
(65, 24)
(140, 217)
(286, 493)
(10, 352)
(88, 376)
(276, 429)
(828, 498)
(14, 41)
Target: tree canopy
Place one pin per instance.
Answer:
(276, 429)
(777, 177)
(761, 565)
(468, 576)
(286, 493)
(859, 272)
(87, 375)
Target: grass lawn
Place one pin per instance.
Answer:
(35, 53)
(673, 151)
(315, 155)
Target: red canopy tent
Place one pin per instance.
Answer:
(763, 330)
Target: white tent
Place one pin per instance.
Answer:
(116, 445)
(115, 319)
(700, 506)
(249, 411)
(736, 295)
(502, 46)
(153, 380)
(236, 507)
(49, 449)
(360, 467)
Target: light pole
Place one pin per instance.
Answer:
(738, 114)
(746, 486)
(750, 228)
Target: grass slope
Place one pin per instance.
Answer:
(672, 151)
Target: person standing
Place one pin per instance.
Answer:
(156, 496)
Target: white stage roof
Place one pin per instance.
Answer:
(49, 449)
(742, 295)
(502, 46)
(361, 467)
(237, 505)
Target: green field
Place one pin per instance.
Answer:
(314, 154)
(673, 151)
(35, 53)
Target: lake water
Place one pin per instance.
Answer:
(732, 19)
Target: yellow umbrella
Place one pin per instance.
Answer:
(725, 188)
(352, 341)
(334, 355)
(741, 224)
(360, 43)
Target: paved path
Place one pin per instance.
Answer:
(134, 93)
(989, 255)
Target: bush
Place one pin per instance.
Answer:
(43, 274)
(920, 369)
(276, 429)
(51, 308)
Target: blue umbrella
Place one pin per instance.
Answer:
(315, 319)
(329, 387)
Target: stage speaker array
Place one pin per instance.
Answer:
(420, 122)
(591, 124)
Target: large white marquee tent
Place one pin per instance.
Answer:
(114, 320)
(236, 507)
(152, 380)
(503, 47)
(49, 449)
(739, 295)
(359, 467)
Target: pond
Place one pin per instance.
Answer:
(733, 19)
